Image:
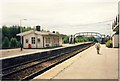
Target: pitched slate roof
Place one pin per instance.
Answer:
(38, 32)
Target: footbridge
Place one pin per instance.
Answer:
(90, 34)
(93, 34)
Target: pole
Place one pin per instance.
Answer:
(21, 38)
(110, 32)
(21, 34)
(21, 31)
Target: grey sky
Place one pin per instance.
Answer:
(65, 16)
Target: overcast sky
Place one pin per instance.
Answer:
(65, 16)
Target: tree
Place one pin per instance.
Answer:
(13, 42)
(18, 43)
(11, 31)
(5, 32)
(5, 43)
(65, 39)
(109, 44)
(84, 39)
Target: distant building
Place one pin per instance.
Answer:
(115, 28)
(40, 39)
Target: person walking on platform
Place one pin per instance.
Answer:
(97, 46)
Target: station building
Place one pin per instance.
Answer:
(115, 28)
(40, 39)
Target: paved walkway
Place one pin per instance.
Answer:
(87, 65)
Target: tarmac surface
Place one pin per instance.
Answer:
(8, 53)
(86, 65)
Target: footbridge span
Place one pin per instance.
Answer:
(93, 34)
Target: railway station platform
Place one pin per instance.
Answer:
(9, 53)
(86, 65)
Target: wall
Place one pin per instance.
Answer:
(115, 40)
(60, 41)
(28, 36)
(53, 41)
(39, 44)
(48, 44)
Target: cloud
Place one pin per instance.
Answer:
(59, 14)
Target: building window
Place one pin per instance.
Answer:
(26, 40)
(38, 39)
(56, 40)
(47, 40)
(33, 40)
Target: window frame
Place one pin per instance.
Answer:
(33, 40)
(48, 40)
(38, 40)
(26, 40)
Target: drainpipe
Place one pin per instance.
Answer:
(43, 41)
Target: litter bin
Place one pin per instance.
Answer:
(29, 45)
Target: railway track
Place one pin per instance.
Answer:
(30, 69)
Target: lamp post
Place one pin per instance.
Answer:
(21, 33)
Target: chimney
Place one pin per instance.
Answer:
(53, 32)
(38, 28)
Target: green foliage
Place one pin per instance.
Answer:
(10, 32)
(84, 39)
(5, 32)
(78, 39)
(109, 44)
(65, 39)
(107, 38)
(5, 43)
(18, 44)
(13, 42)
(26, 29)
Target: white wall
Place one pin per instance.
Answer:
(115, 40)
(60, 41)
(28, 36)
(50, 44)
(39, 44)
